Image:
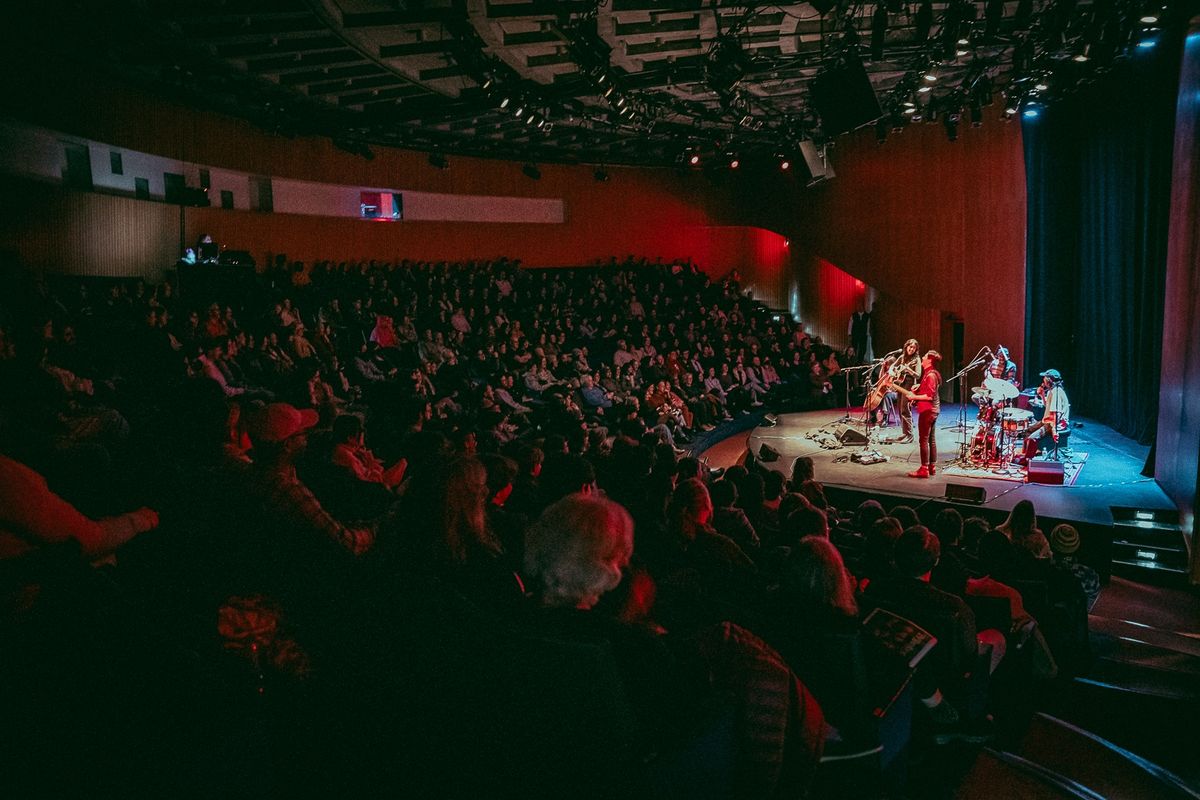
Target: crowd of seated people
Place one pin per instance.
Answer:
(381, 490)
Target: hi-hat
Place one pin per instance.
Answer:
(1000, 390)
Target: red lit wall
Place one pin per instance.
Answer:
(928, 223)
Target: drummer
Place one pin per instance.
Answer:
(1002, 367)
(1057, 417)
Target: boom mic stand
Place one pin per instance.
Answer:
(846, 416)
(961, 425)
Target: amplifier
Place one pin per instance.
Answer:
(1046, 471)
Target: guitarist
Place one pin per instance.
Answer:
(905, 373)
(929, 405)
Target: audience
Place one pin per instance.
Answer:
(522, 424)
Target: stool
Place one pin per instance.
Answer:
(1064, 438)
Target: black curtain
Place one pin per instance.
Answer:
(1098, 178)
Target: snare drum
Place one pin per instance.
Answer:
(1015, 420)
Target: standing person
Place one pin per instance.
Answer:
(859, 330)
(1057, 416)
(905, 373)
(929, 405)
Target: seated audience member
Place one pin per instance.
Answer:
(280, 435)
(1021, 528)
(33, 517)
(909, 594)
(995, 553)
(351, 453)
(575, 553)
(951, 573)
(509, 525)
(446, 531)
(1064, 542)
(730, 520)
(803, 469)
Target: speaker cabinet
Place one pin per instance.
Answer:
(1043, 471)
(844, 98)
(961, 493)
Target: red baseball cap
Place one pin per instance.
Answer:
(279, 421)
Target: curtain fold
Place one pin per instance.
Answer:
(1098, 180)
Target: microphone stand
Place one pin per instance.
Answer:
(961, 425)
(846, 416)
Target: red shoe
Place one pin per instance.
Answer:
(923, 472)
(932, 470)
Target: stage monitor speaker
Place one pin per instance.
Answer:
(961, 493)
(844, 98)
(851, 436)
(1044, 471)
(767, 454)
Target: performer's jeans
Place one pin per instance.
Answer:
(927, 436)
(905, 409)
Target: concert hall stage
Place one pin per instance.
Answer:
(1109, 476)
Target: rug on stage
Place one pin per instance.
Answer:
(1071, 470)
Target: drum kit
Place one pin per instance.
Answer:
(1000, 429)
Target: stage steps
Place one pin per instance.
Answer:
(1081, 764)
(1149, 542)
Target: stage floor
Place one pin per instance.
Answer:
(1110, 475)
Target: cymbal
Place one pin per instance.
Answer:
(980, 391)
(1001, 390)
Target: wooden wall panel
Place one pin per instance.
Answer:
(83, 233)
(1178, 444)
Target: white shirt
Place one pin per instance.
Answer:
(1058, 404)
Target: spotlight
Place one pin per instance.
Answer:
(931, 77)
(1082, 55)
(734, 164)
(1040, 87)
(530, 120)
(785, 164)
(1148, 38)
(531, 171)
(1150, 17)
(488, 84)
(925, 88)
(504, 103)
(910, 110)
(1032, 112)
(519, 112)
(608, 92)
(695, 159)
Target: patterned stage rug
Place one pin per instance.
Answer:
(1071, 470)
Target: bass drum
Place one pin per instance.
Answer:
(983, 445)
